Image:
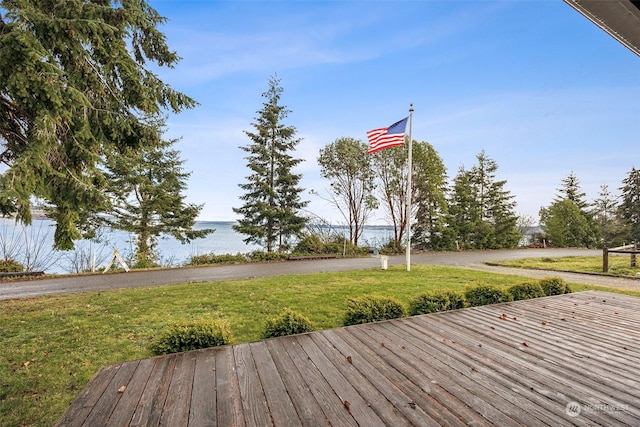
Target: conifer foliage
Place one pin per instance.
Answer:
(270, 214)
(146, 192)
(630, 206)
(74, 85)
(481, 211)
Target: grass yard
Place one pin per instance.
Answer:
(50, 347)
(619, 265)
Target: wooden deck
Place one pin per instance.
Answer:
(564, 360)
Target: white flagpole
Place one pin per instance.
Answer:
(410, 172)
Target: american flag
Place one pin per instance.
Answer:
(388, 137)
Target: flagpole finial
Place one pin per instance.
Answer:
(411, 107)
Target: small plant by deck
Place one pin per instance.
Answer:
(439, 300)
(485, 294)
(523, 291)
(373, 308)
(188, 335)
(554, 286)
(289, 322)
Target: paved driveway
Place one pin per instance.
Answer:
(475, 260)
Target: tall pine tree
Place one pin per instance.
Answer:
(568, 225)
(76, 84)
(606, 216)
(146, 195)
(630, 206)
(271, 212)
(429, 197)
(481, 211)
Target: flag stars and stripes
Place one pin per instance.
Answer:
(388, 137)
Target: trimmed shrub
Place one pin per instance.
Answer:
(289, 322)
(554, 286)
(392, 247)
(188, 335)
(373, 308)
(431, 302)
(262, 256)
(309, 244)
(485, 294)
(522, 291)
(10, 266)
(218, 259)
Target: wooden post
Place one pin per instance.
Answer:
(605, 260)
(633, 260)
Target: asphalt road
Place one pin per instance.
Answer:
(474, 260)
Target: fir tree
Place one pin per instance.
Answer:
(270, 214)
(74, 86)
(580, 229)
(630, 206)
(565, 224)
(146, 194)
(481, 211)
(607, 218)
(571, 190)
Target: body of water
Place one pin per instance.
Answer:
(33, 245)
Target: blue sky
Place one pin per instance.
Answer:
(534, 84)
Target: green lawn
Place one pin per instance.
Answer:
(619, 265)
(50, 347)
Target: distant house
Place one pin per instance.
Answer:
(532, 236)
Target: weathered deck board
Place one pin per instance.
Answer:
(203, 400)
(517, 363)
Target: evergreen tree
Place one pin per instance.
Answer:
(481, 211)
(74, 85)
(580, 224)
(571, 190)
(270, 215)
(348, 167)
(608, 220)
(565, 224)
(464, 210)
(630, 206)
(146, 189)
(429, 198)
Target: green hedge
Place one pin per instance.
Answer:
(373, 308)
(188, 335)
(554, 286)
(523, 291)
(440, 300)
(485, 294)
(289, 322)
